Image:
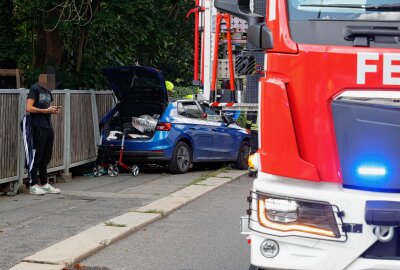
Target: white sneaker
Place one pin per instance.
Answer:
(50, 189)
(36, 190)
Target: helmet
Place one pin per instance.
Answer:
(170, 86)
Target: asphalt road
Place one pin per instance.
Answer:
(30, 223)
(202, 235)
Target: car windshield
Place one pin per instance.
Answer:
(353, 10)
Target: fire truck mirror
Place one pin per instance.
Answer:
(239, 8)
(258, 33)
(260, 36)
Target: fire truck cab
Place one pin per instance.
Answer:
(327, 195)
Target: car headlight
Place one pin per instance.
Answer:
(290, 215)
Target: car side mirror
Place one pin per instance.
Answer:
(258, 33)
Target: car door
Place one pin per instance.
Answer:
(196, 127)
(223, 135)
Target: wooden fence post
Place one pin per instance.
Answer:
(66, 176)
(95, 117)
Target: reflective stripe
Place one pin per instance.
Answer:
(28, 144)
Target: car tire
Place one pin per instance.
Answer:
(181, 159)
(243, 155)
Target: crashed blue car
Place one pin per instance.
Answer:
(157, 130)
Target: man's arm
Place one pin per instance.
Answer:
(32, 109)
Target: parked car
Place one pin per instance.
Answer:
(172, 132)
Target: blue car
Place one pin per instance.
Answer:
(157, 130)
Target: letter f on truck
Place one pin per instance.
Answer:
(389, 67)
(363, 67)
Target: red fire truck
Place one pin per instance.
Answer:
(327, 195)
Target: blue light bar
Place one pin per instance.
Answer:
(371, 171)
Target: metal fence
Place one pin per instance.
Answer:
(76, 129)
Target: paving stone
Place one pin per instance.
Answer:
(86, 243)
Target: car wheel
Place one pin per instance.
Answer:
(243, 155)
(181, 159)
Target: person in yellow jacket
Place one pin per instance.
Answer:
(188, 97)
(170, 88)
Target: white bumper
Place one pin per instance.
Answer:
(301, 251)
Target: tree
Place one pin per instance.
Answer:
(7, 35)
(81, 37)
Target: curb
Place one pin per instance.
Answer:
(84, 244)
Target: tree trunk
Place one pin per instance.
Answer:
(54, 48)
(84, 38)
(82, 44)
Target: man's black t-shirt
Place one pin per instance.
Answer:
(42, 99)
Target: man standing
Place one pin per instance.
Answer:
(38, 105)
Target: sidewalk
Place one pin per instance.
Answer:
(29, 224)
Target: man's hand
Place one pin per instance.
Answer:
(32, 109)
(52, 110)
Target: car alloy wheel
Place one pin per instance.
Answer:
(183, 158)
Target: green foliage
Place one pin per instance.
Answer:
(182, 91)
(113, 224)
(7, 37)
(121, 32)
(242, 121)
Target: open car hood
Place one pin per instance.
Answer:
(137, 84)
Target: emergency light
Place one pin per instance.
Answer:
(371, 171)
(367, 126)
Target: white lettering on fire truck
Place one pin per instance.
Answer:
(368, 63)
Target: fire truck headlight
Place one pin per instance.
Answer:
(291, 215)
(283, 211)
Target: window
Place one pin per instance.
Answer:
(212, 115)
(181, 110)
(352, 10)
(192, 110)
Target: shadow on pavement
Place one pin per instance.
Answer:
(87, 169)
